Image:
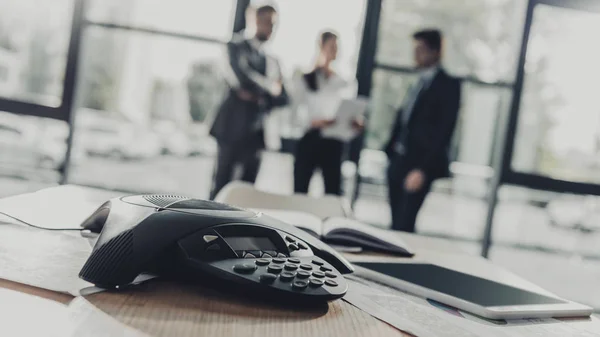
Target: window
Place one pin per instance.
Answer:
(142, 103)
(300, 23)
(29, 146)
(482, 37)
(482, 110)
(207, 18)
(143, 77)
(558, 132)
(34, 38)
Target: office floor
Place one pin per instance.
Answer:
(526, 241)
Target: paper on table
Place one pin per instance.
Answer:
(43, 259)
(57, 207)
(27, 315)
(400, 312)
(88, 321)
(348, 110)
(424, 318)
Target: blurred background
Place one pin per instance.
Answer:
(132, 87)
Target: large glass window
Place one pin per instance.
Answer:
(300, 23)
(143, 77)
(482, 37)
(558, 131)
(145, 99)
(30, 147)
(34, 38)
(207, 18)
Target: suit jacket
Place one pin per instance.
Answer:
(428, 132)
(251, 70)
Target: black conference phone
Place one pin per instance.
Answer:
(200, 239)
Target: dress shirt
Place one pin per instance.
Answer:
(323, 103)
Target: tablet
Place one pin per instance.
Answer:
(473, 294)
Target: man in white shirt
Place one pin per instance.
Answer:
(419, 145)
(255, 87)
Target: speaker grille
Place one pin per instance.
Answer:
(111, 264)
(163, 200)
(203, 204)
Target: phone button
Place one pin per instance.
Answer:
(268, 278)
(262, 262)
(306, 266)
(289, 266)
(287, 276)
(244, 268)
(330, 275)
(315, 282)
(300, 285)
(331, 283)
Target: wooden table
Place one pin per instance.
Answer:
(161, 308)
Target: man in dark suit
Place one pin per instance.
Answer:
(419, 145)
(255, 87)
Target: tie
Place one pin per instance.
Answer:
(407, 111)
(411, 100)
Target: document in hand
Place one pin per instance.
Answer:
(349, 110)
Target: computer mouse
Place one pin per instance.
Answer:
(165, 234)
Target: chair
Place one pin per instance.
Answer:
(245, 195)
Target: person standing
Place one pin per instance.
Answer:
(255, 87)
(418, 149)
(319, 94)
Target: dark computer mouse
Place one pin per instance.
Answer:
(203, 239)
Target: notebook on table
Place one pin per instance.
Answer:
(344, 232)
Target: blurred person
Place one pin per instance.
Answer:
(255, 87)
(419, 145)
(320, 93)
